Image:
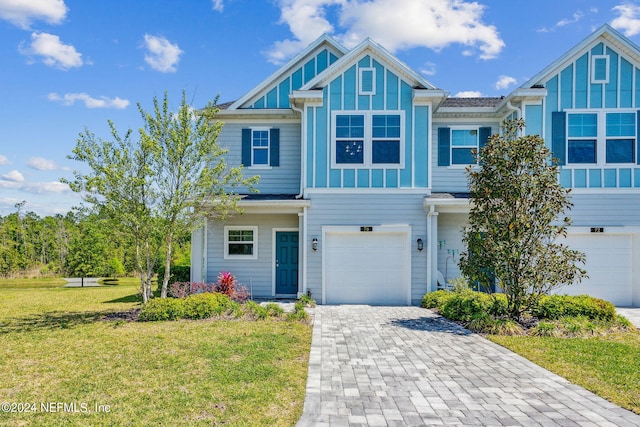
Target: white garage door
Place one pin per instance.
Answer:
(609, 263)
(367, 268)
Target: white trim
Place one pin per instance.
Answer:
(274, 231)
(361, 91)
(594, 58)
(377, 52)
(423, 191)
(367, 144)
(253, 228)
(323, 39)
(451, 147)
(601, 138)
(267, 148)
(406, 230)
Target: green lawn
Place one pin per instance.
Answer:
(57, 350)
(43, 282)
(609, 365)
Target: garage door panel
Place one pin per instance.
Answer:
(608, 264)
(366, 268)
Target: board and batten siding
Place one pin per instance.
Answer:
(282, 179)
(390, 94)
(277, 95)
(367, 210)
(571, 87)
(255, 274)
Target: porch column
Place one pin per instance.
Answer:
(302, 251)
(432, 260)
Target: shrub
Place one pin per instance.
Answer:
(558, 306)
(498, 305)
(436, 299)
(228, 285)
(459, 284)
(274, 310)
(184, 289)
(545, 329)
(206, 305)
(298, 314)
(486, 324)
(162, 309)
(307, 301)
(465, 306)
(255, 310)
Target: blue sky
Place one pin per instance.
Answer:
(67, 65)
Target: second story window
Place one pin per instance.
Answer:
(601, 137)
(261, 147)
(457, 145)
(367, 139)
(463, 142)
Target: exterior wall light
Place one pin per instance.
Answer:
(420, 244)
(314, 244)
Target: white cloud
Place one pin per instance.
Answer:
(162, 55)
(42, 164)
(89, 101)
(504, 82)
(628, 20)
(23, 12)
(35, 187)
(435, 24)
(468, 94)
(4, 160)
(428, 69)
(54, 53)
(13, 176)
(218, 5)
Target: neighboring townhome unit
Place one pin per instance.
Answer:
(363, 192)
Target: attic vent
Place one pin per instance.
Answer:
(599, 69)
(367, 79)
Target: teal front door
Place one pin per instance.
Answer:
(286, 262)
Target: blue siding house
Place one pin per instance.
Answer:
(363, 193)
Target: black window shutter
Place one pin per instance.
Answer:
(246, 147)
(559, 136)
(274, 147)
(444, 150)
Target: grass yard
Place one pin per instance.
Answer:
(42, 282)
(57, 350)
(609, 365)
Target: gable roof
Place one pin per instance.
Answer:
(606, 33)
(377, 50)
(324, 39)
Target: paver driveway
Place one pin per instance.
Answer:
(382, 366)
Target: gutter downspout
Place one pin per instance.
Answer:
(303, 176)
(303, 149)
(432, 211)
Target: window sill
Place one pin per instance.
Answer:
(263, 167)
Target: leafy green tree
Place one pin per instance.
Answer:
(516, 219)
(120, 186)
(190, 172)
(88, 250)
(160, 185)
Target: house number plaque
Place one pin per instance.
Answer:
(366, 229)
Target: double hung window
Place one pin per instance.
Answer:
(601, 137)
(368, 139)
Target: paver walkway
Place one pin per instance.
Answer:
(394, 366)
